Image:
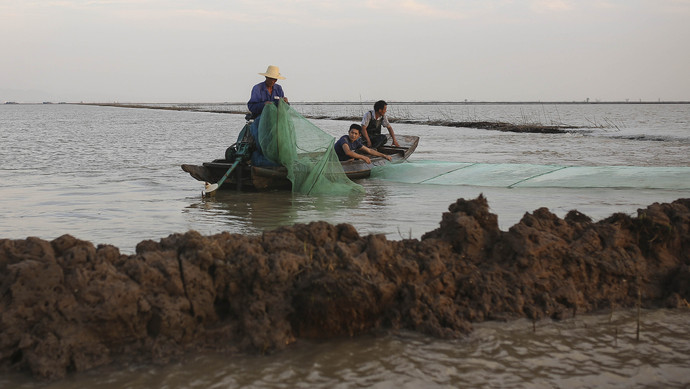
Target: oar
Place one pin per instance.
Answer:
(210, 188)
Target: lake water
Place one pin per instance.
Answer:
(112, 175)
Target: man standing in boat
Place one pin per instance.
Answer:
(266, 92)
(347, 146)
(372, 123)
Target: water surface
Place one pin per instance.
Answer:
(112, 175)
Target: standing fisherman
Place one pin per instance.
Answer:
(266, 92)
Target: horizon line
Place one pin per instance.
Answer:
(389, 102)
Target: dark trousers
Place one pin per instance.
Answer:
(377, 141)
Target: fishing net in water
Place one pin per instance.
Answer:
(536, 176)
(307, 152)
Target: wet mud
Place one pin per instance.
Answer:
(69, 306)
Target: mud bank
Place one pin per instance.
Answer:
(69, 306)
(484, 125)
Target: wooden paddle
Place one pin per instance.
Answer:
(210, 189)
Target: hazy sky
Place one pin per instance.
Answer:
(345, 50)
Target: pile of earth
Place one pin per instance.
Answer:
(68, 306)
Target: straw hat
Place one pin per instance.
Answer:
(273, 72)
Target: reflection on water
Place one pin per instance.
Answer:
(246, 212)
(589, 351)
(253, 213)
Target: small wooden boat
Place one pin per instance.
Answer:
(248, 177)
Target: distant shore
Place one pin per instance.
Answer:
(583, 102)
(484, 125)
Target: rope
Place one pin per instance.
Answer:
(448, 172)
(537, 175)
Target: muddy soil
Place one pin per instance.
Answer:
(68, 306)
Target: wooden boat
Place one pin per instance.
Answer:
(248, 177)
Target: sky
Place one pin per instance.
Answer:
(170, 51)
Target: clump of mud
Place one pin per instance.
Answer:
(68, 306)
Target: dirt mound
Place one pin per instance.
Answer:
(69, 306)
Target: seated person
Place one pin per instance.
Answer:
(372, 123)
(347, 146)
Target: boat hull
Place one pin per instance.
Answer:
(248, 177)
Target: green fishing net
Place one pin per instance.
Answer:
(536, 176)
(307, 152)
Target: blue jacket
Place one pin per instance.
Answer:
(260, 96)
